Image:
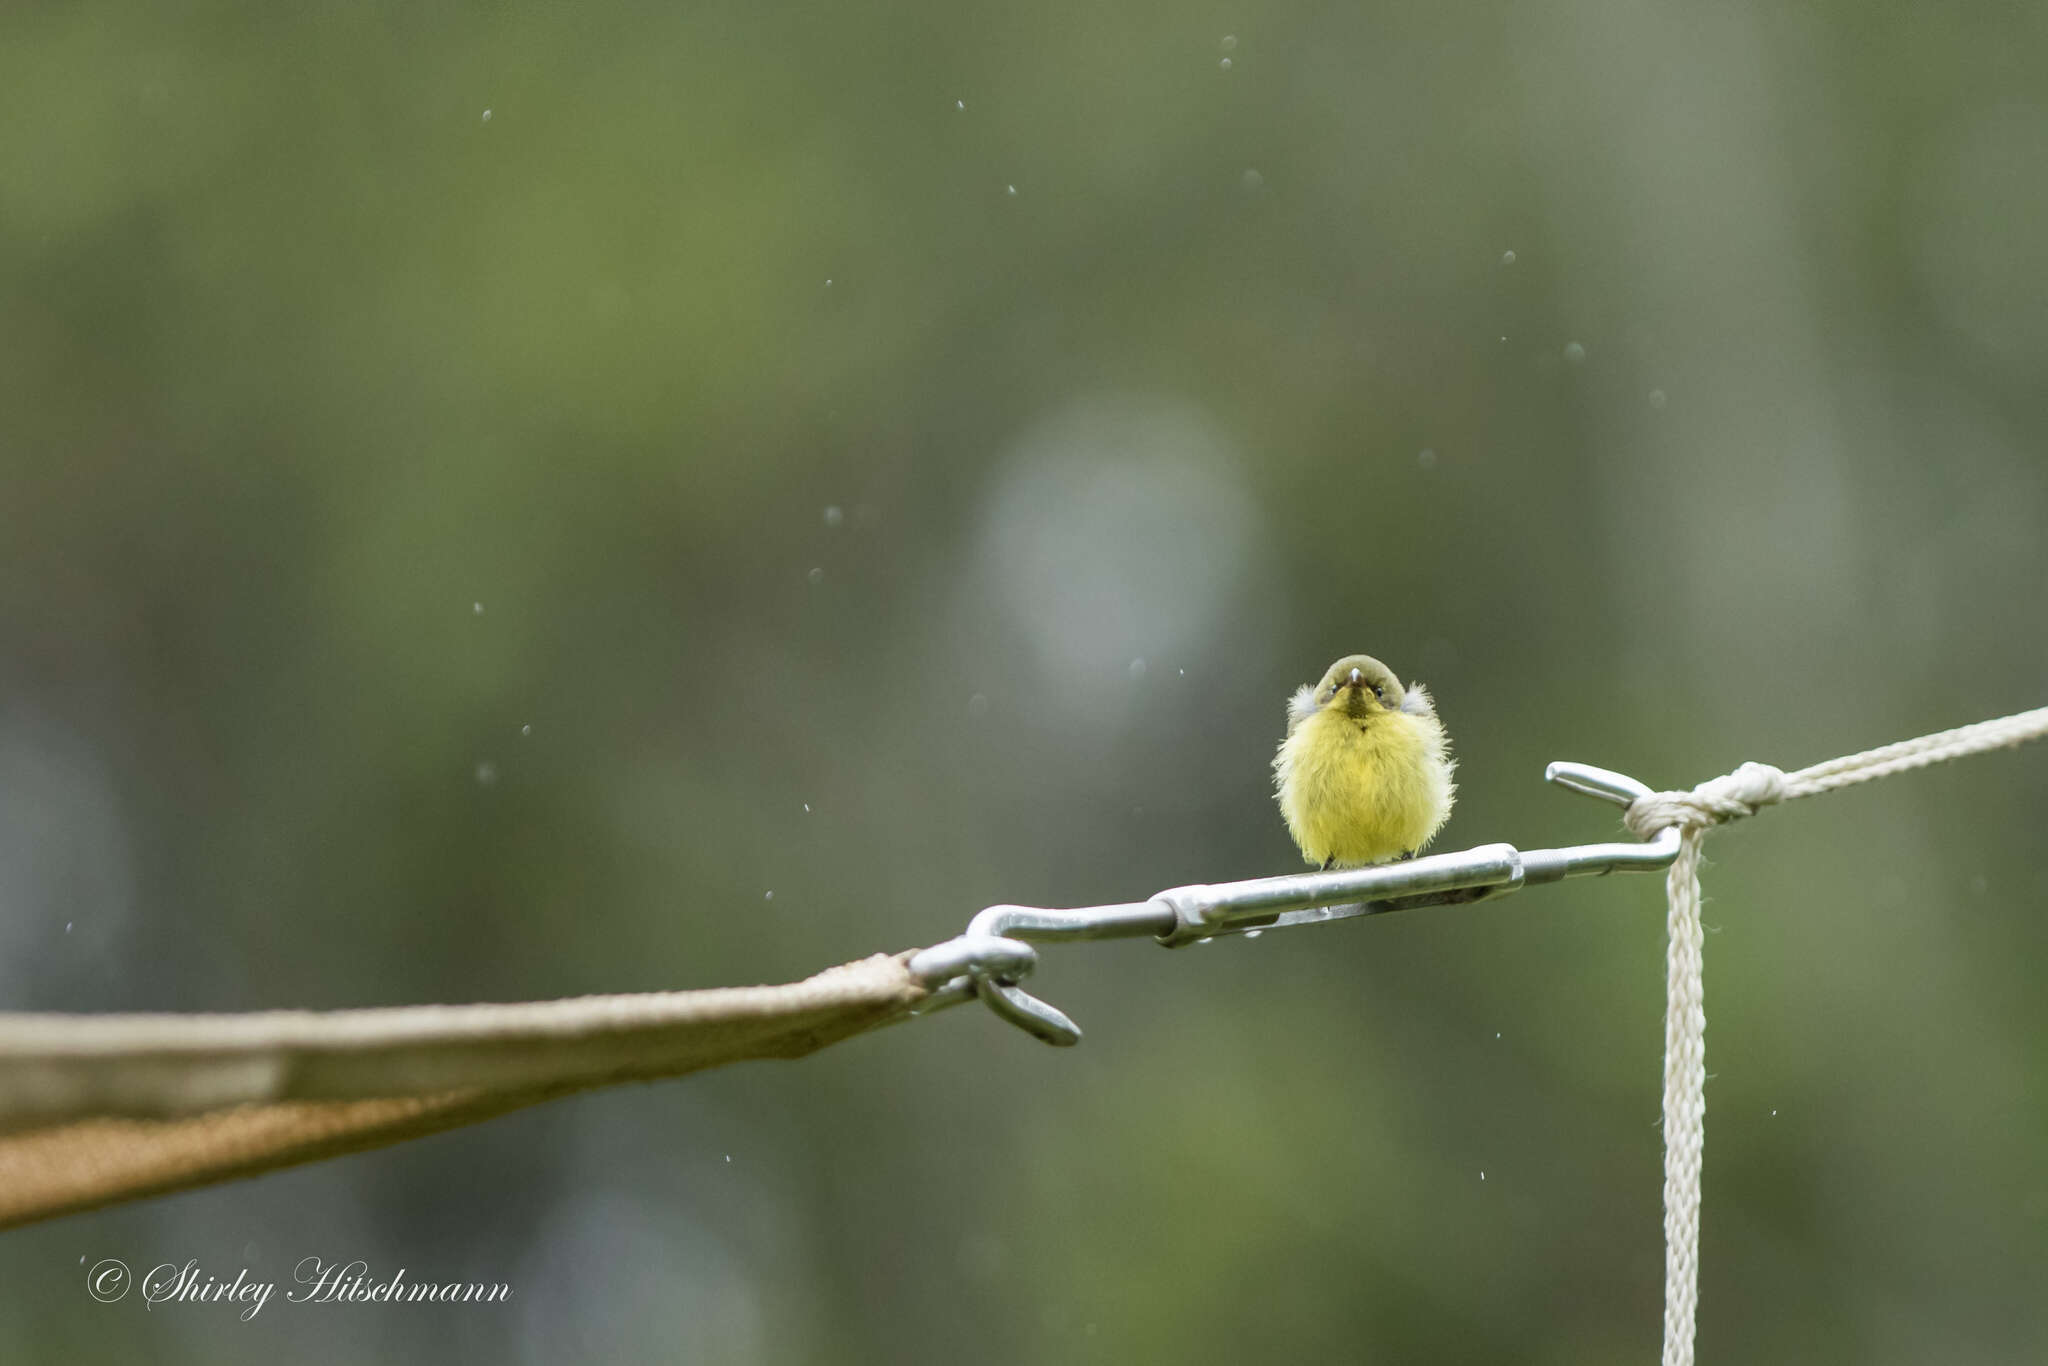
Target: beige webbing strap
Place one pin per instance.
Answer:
(99, 1109)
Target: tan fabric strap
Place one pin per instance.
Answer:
(100, 1109)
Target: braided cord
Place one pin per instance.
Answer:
(1734, 796)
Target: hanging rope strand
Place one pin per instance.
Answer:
(1715, 802)
(1685, 1098)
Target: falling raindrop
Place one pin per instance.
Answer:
(487, 116)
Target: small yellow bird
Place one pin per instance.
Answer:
(1364, 774)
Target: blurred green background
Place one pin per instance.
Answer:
(489, 494)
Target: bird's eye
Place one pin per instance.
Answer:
(1377, 693)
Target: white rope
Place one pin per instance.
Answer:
(1715, 802)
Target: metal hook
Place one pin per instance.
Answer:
(996, 951)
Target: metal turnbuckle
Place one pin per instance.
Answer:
(997, 950)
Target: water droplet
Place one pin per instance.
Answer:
(1229, 42)
(769, 897)
(834, 516)
(807, 808)
(1010, 190)
(816, 576)
(476, 609)
(1137, 668)
(1482, 1176)
(526, 729)
(828, 282)
(1253, 934)
(959, 104)
(487, 116)
(1507, 258)
(1251, 179)
(67, 926)
(728, 1157)
(1774, 1113)
(1426, 457)
(977, 705)
(486, 773)
(1657, 399)
(1183, 673)
(1496, 1033)
(1225, 64)
(1574, 352)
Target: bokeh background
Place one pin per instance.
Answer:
(509, 501)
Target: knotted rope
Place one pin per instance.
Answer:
(1715, 802)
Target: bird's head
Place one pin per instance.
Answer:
(1359, 686)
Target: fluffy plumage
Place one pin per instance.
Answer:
(1364, 774)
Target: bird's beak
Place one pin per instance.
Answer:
(1357, 679)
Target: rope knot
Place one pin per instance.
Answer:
(1726, 798)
